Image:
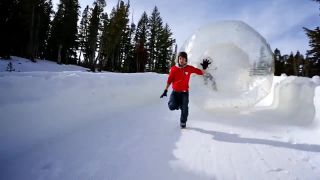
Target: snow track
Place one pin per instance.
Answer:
(78, 125)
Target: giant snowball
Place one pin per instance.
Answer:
(241, 69)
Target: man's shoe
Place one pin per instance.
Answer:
(183, 125)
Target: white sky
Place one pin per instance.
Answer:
(279, 21)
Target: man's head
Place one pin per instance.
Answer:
(182, 58)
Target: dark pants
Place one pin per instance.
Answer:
(180, 100)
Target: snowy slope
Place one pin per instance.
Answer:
(25, 65)
(59, 124)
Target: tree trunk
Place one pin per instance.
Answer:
(93, 64)
(30, 48)
(59, 54)
(36, 37)
(79, 58)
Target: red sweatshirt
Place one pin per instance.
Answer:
(180, 76)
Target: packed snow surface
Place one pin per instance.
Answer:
(61, 122)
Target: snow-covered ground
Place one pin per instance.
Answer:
(61, 122)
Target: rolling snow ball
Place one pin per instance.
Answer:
(241, 69)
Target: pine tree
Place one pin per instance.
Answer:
(83, 37)
(108, 40)
(166, 50)
(125, 48)
(100, 53)
(102, 57)
(25, 27)
(298, 64)
(174, 55)
(314, 53)
(278, 62)
(39, 18)
(307, 67)
(172, 50)
(159, 59)
(33, 27)
(18, 24)
(140, 41)
(94, 25)
(8, 14)
(123, 20)
(63, 41)
(55, 36)
(128, 49)
(46, 11)
(155, 25)
(288, 66)
(114, 33)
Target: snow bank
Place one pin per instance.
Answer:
(294, 97)
(25, 65)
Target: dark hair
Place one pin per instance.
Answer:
(183, 54)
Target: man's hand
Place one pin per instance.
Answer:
(164, 93)
(205, 63)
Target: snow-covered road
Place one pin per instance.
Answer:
(79, 125)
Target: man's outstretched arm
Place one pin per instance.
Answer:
(165, 91)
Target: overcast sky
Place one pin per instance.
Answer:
(280, 22)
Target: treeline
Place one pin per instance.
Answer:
(94, 39)
(102, 41)
(297, 64)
